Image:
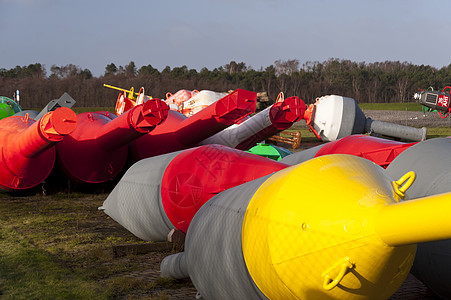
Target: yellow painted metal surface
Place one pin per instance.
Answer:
(416, 221)
(131, 92)
(402, 184)
(313, 237)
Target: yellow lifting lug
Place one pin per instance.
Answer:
(402, 184)
(344, 266)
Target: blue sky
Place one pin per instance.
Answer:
(210, 33)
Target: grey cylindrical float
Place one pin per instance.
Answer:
(431, 161)
(135, 201)
(212, 264)
(301, 156)
(279, 116)
(233, 135)
(268, 239)
(395, 130)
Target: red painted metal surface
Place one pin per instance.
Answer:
(27, 152)
(179, 132)
(282, 115)
(378, 150)
(196, 175)
(123, 103)
(96, 151)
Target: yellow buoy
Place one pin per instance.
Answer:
(309, 237)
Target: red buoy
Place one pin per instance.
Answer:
(28, 154)
(97, 149)
(378, 150)
(180, 132)
(197, 174)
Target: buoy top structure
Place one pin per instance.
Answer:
(176, 101)
(8, 107)
(270, 151)
(97, 150)
(345, 236)
(27, 148)
(127, 100)
(198, 101)
(333, 117)
(5, 110)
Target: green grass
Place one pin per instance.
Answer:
(79, 110)
(409, 106)
(59, 247)
(308, 136)
(438, 132)
(28, 272)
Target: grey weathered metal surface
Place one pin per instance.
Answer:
(431, 162)
(135, 202)
(213, 251)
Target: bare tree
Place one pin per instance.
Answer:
(373, 90)
(402, 85)
(287, 67)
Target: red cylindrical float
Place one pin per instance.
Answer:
(196, 175)
(97, 150)
(28, 154)
(378, 150)
(179, 132)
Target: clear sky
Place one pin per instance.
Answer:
(210, 33)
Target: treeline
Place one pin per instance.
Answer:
(390, 81)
